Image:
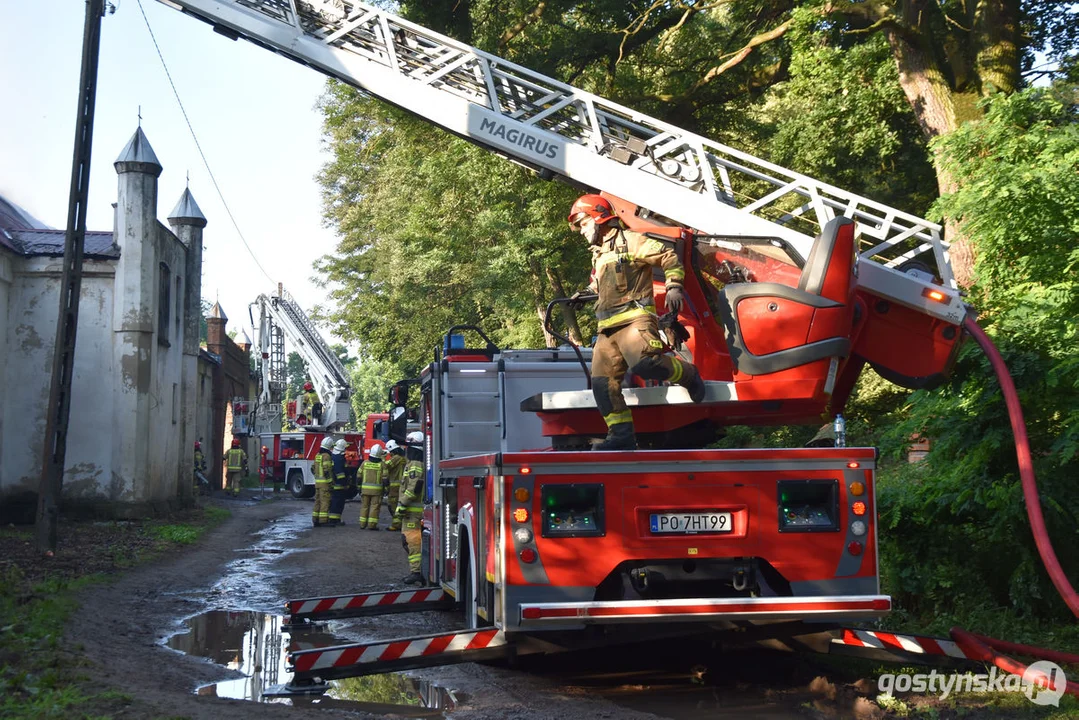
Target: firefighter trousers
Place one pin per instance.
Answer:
(411, 537)
(232, 484)
(635, 346)
(320, 514)
(337, 504)
(370, 504)
(391, 503)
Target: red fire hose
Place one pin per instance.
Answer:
(985, 648)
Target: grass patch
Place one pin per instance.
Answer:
(39, 676)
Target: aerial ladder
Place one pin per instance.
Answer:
(280, 318)
(561, 131)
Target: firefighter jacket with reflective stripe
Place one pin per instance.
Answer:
(200, 461)
(309, 400)
(339, 480)
(235, 458)
(622, 276)
(322, 467)
(410, 503)
(371, 481)
(393, 469)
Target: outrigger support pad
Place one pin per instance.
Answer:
(297, 687)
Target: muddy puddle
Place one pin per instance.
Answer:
(256, 644)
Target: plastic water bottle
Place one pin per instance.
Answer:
(840, 428)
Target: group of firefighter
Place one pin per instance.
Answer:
(392, 469)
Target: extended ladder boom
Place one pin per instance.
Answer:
(562, 131)
(281, 313)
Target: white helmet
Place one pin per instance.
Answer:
(327, 443)
(339, 446)
(414, 438)
(391, 446)
(377, 452)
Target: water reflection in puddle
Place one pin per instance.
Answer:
(255, 644)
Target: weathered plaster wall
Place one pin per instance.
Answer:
(30, 332)
(5, 293)
(165, 384)
(204, 413)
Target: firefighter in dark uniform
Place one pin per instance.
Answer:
(622, 263)
(371, 488)
(409, 512)
(393, 470)
(322, 468)
(340, 483)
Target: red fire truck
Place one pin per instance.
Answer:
(793, 287)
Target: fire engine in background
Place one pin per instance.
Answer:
(792, 287)
(291, 453)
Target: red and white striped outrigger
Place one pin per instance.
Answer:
(310, 667)
(361, 604)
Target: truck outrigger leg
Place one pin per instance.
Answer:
(362, 604)
(378, 656)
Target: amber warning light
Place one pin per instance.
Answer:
(935, 295)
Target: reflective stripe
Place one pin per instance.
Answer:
(676, 374)
(676, 273)
(626, 315)
(372, 477)
(617, 418)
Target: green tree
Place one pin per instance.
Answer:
(371, 383)
(956, 533)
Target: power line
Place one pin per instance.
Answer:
(194, 137)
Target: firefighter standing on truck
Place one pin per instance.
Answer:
(622, 263)
(340, 484)
(409, 511)
(311, 407)
(371, 488)
(393, 470)
(235, 463)
(322, 468)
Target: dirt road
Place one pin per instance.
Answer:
(267, 553)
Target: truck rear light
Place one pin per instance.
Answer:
(522, 535)
(574, 510)
(520, 515)
(854, 465)
(858, 508)
(854, 547)
(522, 495)
(525, 471)
(858, 528)
(857, 488)
(808, 505)
(528, 555)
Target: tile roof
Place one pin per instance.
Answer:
(51, 242)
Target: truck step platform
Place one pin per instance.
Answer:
(311, 667)
(362, 604)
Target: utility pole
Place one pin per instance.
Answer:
(67, 323)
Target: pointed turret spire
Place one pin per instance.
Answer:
(138, 156)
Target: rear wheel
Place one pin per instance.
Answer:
(296, 485)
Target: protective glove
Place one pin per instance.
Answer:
(675, 299)
(579, 298)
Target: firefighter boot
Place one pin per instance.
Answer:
(691, 381)
(413, 579)
(619, 437)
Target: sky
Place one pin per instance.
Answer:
(253, 113)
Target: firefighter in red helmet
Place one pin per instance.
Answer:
(628, 339)
(311, 406)
(235, 467)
